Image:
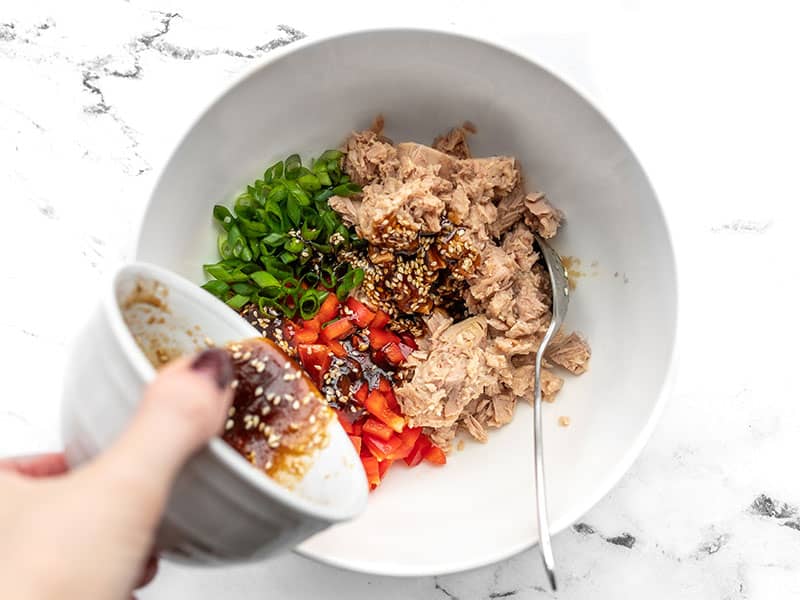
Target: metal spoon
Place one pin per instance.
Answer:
(559, 283)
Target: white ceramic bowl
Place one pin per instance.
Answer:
(479, 508)
(221, 508)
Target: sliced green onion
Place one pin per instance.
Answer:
(223, 247)
(264, 279)
(349, 282)
(274, 172)
(330, 155)
(293, 210)
(294, 246)
(278, 193)
(309, 182)
(245, 289)
(292, 166)
(327, 278)
(216, 287)
(262, 262)
(237, 301)
(274, 239)
(310, 302)
(223, 215)
(346, 189)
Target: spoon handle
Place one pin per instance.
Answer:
(545, 546)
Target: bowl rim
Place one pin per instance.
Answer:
(637, 444)
(218, 449)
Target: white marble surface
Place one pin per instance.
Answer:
(94, 94)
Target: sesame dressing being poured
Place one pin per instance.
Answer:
(278, 419)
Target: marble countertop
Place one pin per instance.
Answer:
(93, 95)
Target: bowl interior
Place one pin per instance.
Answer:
(479, 508)
(170, 317)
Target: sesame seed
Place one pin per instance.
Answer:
(287, 365)
(295, 404)
(276, 400)
(228, 424)
(234, 384)
(265, 410)
(231, 411)
(259, 391)
(312, 419)
(237, 355)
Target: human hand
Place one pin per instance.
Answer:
(89, 533)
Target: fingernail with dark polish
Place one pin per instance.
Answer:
(217, 364)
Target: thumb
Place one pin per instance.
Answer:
(184, 407)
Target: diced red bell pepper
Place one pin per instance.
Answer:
(329, 309)
(347, 425)
(393, 353)
(377, 429)
(381, 320)
(377, 406)
(372, 471)
(360, 394)
(316, 360)
(381, 449)
(357, 427)
(385, 386)
(378, 338)
(337, 330)
(435, 455)
(337, 348)
(383, 466)
(313, 324)
(417, 453)
(356, 442)
(391, 401)
(306, 336)
(365, 451)
(362, 316)
(409, 439)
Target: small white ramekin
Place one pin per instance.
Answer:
(221, 508)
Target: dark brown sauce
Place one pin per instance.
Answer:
(278, 419)
(407, 280)
(346, 375)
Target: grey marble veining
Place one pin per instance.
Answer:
(93, 96)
